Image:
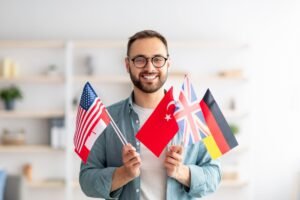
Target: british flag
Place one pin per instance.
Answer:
(188, 114)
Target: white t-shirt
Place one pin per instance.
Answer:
(153, 174)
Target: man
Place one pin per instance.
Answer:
(130, 172)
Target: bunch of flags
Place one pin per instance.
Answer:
(194, 120)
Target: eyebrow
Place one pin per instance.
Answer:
(141, 55)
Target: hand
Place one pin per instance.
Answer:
(174, 166)
(131, 161)
(173, 160)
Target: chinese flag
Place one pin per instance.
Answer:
(161, 126)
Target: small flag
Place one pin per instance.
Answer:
(91, 120)
(188, 115)
(221, 139)
(161, 126)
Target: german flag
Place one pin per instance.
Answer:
(221, 139)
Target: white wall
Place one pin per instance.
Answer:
(271, 28)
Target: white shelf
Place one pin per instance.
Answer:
(199, 44)
(207, 44)
(34, 79)
(16, 114)
(103, 79)
(27, 149)
(196, 78)
(47, 184)
(233, 183)
(234, 114)
(100, 44)
(32, 44)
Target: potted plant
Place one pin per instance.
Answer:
(9, 95)
(234, 128)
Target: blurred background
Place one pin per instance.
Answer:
(246, 52)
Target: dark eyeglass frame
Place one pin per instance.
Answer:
(147, 60)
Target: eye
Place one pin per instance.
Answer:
(158, 59)
(139, 59)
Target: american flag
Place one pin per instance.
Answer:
(188, 114)
(91, 120)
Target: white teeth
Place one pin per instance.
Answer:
(149, 77)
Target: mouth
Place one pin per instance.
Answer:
(149, 77)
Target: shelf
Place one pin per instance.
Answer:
(34, 79)
(31, 44)
(46, 184)
(28, 149)
(30, 114)
(234, 114)
(200, 44)
(103, 79)
(179, 76)
(100, 44)
(233, 183)
(207, 44)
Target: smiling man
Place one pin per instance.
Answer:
(132, 172)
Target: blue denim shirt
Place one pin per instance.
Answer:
(106, 155)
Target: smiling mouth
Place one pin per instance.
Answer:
(149, 77)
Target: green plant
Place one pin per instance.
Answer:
(234, 128)
(10, 93)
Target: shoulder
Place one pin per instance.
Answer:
(118, 105)
(119, 108)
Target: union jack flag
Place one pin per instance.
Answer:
(188, 114)
(92, 119)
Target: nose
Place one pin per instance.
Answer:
(149, 63)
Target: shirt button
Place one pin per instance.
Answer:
(137, 143)
(136, 121)
(137, 190)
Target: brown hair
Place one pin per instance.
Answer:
(146, 34)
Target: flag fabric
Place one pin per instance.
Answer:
(221, 139)
(91, 120)
(160, 127)
(192, 125)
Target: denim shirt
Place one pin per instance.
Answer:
(106, 155)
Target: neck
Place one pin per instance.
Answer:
(148, 100)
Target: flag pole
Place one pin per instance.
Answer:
(117, 130)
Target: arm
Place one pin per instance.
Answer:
(129, 171)
(97, 178)
(199, 178)
(175, 168)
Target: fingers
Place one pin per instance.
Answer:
(128, 147)
(130, 156)
(177, 148)
(173, 157)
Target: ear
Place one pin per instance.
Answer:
(168, 63)
(127, 64)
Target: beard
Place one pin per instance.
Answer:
(148, 87)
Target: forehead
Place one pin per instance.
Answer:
(147, 47)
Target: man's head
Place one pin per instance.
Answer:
(147, 60)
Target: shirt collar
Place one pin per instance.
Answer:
(131, 100)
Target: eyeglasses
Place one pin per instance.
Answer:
(142, 61)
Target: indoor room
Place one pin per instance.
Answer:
(245, 52)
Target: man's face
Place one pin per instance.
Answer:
(148, 79)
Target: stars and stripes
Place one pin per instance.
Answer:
(189, 116)
(92, 119)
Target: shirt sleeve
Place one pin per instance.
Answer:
(95, 178)
(205, 175)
